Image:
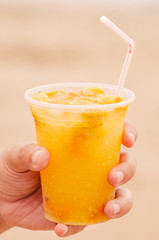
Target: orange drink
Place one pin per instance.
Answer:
(81, 126)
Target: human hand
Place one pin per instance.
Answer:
(121, 174)
(20, 191)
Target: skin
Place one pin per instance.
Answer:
(20, 191)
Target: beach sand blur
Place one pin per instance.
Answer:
(43, 45)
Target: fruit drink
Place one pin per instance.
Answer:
(82, 129)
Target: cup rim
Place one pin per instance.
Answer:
(30, 92)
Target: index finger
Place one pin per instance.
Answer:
(129, 134)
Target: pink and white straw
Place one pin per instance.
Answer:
(129, 55)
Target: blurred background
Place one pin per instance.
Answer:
(50, 41)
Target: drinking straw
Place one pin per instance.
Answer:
(129, 55)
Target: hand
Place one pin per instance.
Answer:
(121, 174)
(20, 191)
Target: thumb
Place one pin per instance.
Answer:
(25, 157)
(19, 166)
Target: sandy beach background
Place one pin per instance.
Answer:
(44, 44)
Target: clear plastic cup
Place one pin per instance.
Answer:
(84, 142)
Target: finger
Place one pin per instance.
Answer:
(129, 134)
(121, 205)
(24, 157)
(124, 171)
(61, 229)
(64, 230)
(16, 180)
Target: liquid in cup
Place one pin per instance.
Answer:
(84, 142)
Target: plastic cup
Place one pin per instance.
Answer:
(84, 142)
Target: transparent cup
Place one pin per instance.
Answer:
(84, 142)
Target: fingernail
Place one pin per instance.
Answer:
(35, 157)
(61, 229)
(65, 230)
(132, 136)
(120, 176)
(116, 208)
